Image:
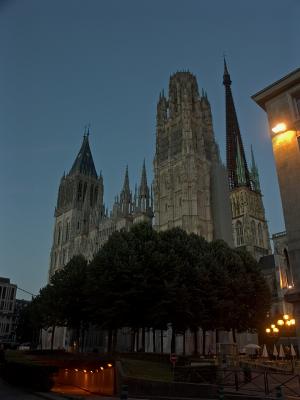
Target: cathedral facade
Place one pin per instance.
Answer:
(82, 224)
(190, 188)
(249, 225)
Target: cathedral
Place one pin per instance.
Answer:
(249, 225)
(192, 189)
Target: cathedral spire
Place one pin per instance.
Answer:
(144, 196)
(84, 163)
(238, 173)
(125, 196)
(254, 173)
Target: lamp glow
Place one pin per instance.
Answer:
(286, 316)
(281, 127)
(268, 330)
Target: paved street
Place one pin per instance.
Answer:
(8, 392)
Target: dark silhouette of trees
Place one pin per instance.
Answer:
(144, 279)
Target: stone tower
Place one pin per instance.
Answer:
(250, 228)
(79, 209)
(189, 179)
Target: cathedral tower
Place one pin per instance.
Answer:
(250, 228)
(189, 179)
(79, 208)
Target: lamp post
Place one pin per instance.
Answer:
(282, 325)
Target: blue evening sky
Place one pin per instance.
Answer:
(65, 63)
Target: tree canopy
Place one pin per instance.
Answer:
(147, 279)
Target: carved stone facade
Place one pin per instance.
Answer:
(250, 228)
(187, 165)
(82, 225)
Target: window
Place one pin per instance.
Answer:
(296, 101)
(239, 233)
(260, 235)
(253, 232)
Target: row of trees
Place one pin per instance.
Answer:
(146, 279)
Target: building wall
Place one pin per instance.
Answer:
(7, 307)
(250, 228)
(186, 153)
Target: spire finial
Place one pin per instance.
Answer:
(226, 76)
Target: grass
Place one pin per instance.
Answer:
(147, 370)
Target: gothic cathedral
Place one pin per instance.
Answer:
(82, 224)
(250, 228)
(190, 188)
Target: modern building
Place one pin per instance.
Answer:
(250, 228)
(190, 189)
(7, 308)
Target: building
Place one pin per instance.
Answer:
(278, 274)
(249, 225)
(281, 101)
(7, 307)
(82, 224)
(189, 179)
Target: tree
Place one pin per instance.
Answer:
(69, 287)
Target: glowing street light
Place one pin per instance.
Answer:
(279, 128)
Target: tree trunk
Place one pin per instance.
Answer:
(153, 341)
(115, 340)
(161, 341)
(233, 335)
(82, 339)
(137, 332)
(143, 340)
(132, 340)
(173, 341)
(203, 341)
(109, 340)
(52, 336)
(183, 343)
(195, 332)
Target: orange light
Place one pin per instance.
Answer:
(84, 370)
(280, 322)
(281, 127)
(109, 365)
(286, 316)
(76, 370)
(101, 368)
(276, 330)
(292, 322)
(268, 330)
(283, 137)
(288, 323)
(273, 326)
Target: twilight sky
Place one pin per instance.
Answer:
(65, 63)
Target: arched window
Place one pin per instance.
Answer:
(84, 190)
(260, 235)
(67, 230)
(79, 192)
(239, 233)
(288, 268)
(253, 232)
(92, 195)
(58, 234)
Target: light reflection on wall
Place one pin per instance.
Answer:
(100, 380)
